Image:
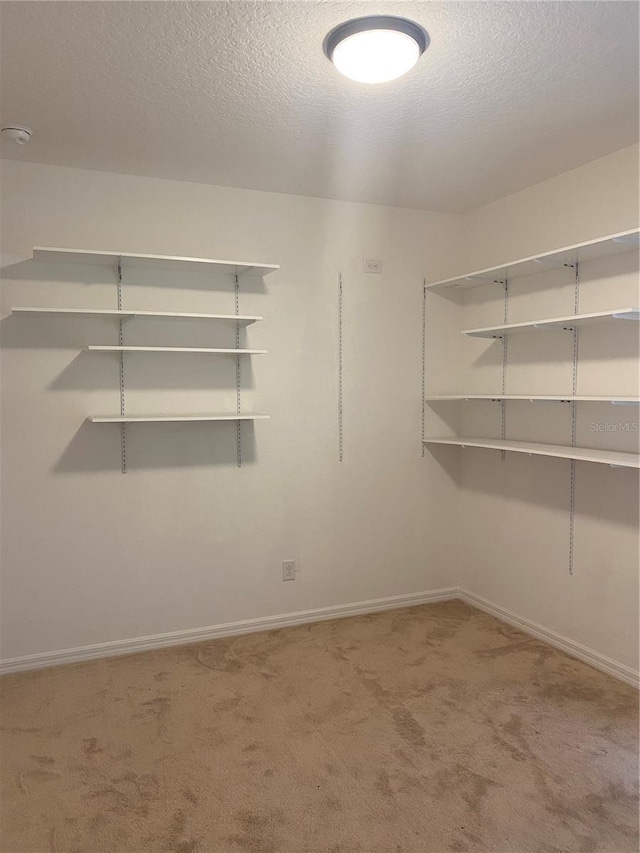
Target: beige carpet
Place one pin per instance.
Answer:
(429, 729)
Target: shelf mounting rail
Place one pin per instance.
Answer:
(123, 426)
(236, 290)
(424, 359)
(574, 391)
(340, 369)
(505, 353)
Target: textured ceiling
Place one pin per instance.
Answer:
(240, 94)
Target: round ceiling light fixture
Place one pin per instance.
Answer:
(377, 48)
(17, 133)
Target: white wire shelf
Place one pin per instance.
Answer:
(143, 419)
(243, 319)
(561, 398)
(568, 256)
(129, 260)
(567, 323)
(215, 350)
(616, 459)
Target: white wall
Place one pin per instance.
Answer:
(583, 204)
(514, 524)
(185, 539)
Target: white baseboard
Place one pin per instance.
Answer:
(229, 629)
(576, 650)
(302, 617)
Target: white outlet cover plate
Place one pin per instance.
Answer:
(372, 265)
(288, 570)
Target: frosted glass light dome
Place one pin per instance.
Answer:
(376, 49)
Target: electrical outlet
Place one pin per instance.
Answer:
(288, 570)
(371, 265)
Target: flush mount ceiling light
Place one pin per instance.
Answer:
(377, 48)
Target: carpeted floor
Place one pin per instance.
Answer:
(423, 730)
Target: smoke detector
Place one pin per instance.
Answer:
(17, 133)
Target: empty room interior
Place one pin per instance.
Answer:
(319, 341)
